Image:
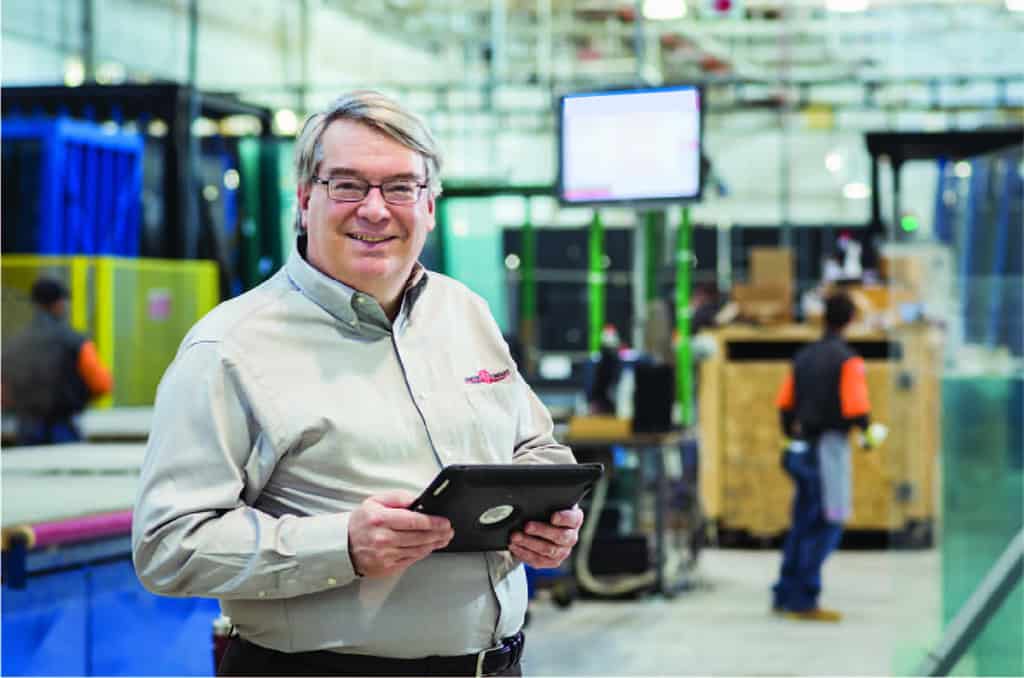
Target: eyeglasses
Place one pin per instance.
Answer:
(350, 189)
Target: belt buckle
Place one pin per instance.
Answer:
(481, 656)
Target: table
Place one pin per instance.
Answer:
(666, 576)
(117, 424)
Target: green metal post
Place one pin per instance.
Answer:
(652, 246)
(595, 284)
(528, 289)
(684, 368)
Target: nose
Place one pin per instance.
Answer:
(373, 207)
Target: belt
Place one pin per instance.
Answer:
(489, 662)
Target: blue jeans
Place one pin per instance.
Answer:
(811, 537)
(37, 432)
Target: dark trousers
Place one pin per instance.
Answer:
(811, 537)
(47, 432)
(243, 658)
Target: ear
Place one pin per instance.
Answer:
(431, 214)
(302, 195)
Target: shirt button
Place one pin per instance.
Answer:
(331, 581)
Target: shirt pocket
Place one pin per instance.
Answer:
(495, 413)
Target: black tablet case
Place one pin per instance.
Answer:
(465, 493)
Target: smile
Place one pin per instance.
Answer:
(369, 238)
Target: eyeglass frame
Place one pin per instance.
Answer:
(326, 183)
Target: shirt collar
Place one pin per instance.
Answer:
(336, 297)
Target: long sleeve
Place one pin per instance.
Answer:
(535, 440)
(195, 530)
(92, 370)
(853, 393)
(785, 400)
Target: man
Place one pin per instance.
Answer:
(823, 396)
(299, 420)
(50, 372)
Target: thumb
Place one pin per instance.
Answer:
(394, 498)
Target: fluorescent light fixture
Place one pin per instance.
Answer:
(1015, 5)
(833, 162)
(856, 190)
(846, 6)
(286, 122)
(664, 10)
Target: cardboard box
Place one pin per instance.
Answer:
(771, 266)
(599, 427)
(765, 303)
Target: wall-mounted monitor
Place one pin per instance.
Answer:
(630, 146)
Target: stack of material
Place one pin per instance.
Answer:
(767, 297)
(742, 484)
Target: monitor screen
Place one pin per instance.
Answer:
(630, 145)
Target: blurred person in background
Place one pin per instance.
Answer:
(300, 420)
(50, 371)
(824, 395)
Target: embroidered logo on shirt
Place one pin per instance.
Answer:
(485, 377)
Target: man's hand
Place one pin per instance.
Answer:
(547, 545)
(384, 537)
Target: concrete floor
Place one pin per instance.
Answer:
(890, 601)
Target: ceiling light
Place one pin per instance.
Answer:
(833, 162)
(664, 10)
(232, 179)
(962, 169)
(110, 73)
(74, 72)
(204, 127)
(846, 5)
(512, 262)
(286, 122)
(1015, 5)
(157, 128)
(856, 190)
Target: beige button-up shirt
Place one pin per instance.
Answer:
(289, 405)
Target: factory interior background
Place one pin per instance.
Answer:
(875, 146)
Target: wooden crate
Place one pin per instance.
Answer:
(742, 483)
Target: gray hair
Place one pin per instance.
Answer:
(378, 112)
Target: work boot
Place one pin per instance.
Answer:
(814, 614)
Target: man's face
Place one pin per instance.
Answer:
(369, 245)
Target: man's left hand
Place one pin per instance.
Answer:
(546, 545)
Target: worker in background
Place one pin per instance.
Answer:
(822, 398)
(607, 373)
(300, 420)
(51, 372)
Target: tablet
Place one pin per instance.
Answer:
(487, 502)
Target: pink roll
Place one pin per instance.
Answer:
(84, 528)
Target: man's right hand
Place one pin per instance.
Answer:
(384, 537)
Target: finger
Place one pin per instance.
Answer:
(534, 560)
(557, 535)
(394, 498)
(568, 518)
(406, 520)
(413, 540)
(540, 547)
